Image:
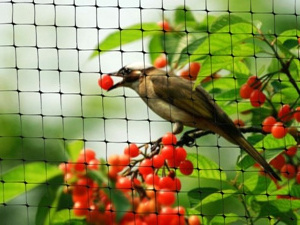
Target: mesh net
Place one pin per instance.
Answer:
(52, 107)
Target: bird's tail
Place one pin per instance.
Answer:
(244, 144)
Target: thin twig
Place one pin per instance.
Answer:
(285, 65)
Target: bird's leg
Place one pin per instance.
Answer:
(188, 138)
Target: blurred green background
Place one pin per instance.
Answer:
(49, 95)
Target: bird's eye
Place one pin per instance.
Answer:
(125, 71)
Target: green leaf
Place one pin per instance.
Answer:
(73, 149)
(171, 43)
(24, 178)
(271, 143)
(184, 51)
(97, 176)
(126, 36)
(290, 43)
(245, 161)
(232, 109)
(212, 65)
(278, 86)
(226, 21)
(155, 47)
(285, 205)
(288, 35)
(215, 197)
(206, 168)
(287, 217)
(226, 95)
(240, 69)
(198, 194)
(184, 15)
(49, 201)
(256, 184)
(286, 95)
(227, 218)
(66, 216)
(295, 191)
(295, 68)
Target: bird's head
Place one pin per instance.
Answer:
(131, 75)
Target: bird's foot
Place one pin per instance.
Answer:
(188, 138)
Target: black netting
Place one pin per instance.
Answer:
(52, 54)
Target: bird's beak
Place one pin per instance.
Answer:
(118, 84)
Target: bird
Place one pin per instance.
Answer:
(175, 99)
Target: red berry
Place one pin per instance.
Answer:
(80, 165)
(194, 220)
(132, 150)
(291, 151)
(192, 72)
(169, 139)
(80, 208)
(124, 183)
(278, 162)
(65, 167)
(257, 98)
(173, 163)
(87, 154)
(158, 161)
(166, 183)
(93, 164)
(177, 185)
(166, 198)
(268, 123)
(254, 82)
(152, 179)
(279, 130)
(168, 152)
(166, 216)
(161, 61)
(288, 171)
(284, 113)
(113, 160)
(146, 167)
(239, 123)
(298, 178)
(124, 160)
(180, 154)
(194, 69)
(105, 82)
(164, 25)
(297, 114)
(245, 91)
(186, 167)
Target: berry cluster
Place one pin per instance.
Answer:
(88, 198)
(148, 181)
(277, 126)
(252, 90)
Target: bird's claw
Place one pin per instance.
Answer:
(186, 140)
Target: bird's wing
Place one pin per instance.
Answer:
(197, 102)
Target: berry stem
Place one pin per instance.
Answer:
(285, 65)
